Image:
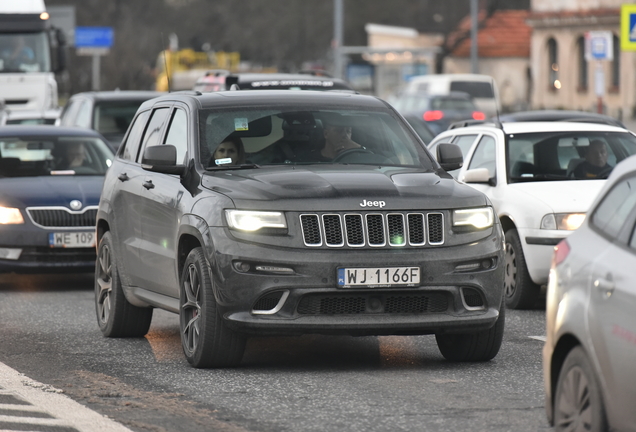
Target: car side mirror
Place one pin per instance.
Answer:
(162, 159)
(449, 156)
(479, 175)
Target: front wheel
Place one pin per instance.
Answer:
(115, 315)
(519, 290)
(473, 347)
(578, 403)
(206, 340)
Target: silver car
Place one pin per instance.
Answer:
(588, 358)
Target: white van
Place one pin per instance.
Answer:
(482, 88)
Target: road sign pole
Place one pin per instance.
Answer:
(96, 70)
(599, 86)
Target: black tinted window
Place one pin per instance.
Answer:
(131, 146)
(153, 131)
(178, 134)
(476, 89)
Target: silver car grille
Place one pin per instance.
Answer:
(61, 217)
(373, 229)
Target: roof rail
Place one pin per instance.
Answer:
(234, 87)
(465, 123)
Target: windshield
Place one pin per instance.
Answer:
(24, 52)
(295, 136)
(566, 155)
(113, 118)
(44, 156)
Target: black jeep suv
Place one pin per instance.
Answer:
(252, 213)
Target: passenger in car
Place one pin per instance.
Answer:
(72, 156)
(595, 164)
(230, 152)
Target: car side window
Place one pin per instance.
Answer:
(612, 213)
(153, 131)
(83, 118)
(464, 142)
(131, 146)
(178, 134)
(484, 156)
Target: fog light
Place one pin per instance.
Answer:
(272, 269)
(241, 266)
(486, 264)
(12, 254)
(467, 267)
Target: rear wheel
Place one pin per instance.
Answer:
(578, 403)
(115, 315)
(473, 347)
(520, 292)
(206, 340)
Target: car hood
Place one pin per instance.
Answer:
(57, 191)
(562, 196)
(315, 188)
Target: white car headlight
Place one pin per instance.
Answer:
(246, 220)
(482, 217)
(10, 216)
(562, 221)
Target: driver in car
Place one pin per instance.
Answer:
(337, 138)
(595, 164)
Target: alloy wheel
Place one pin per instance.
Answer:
(574, 405)
(510, 267)
(105, 282)
(191, 309)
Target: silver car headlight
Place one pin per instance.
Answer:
(10, 215)
(482, 217)
(562, 221)
(247, 220)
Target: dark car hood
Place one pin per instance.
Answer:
(58, 191)
(341, 188)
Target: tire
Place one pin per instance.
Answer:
(519, 290)
(578, 403)
(116, 317)
(473, 347)
(206, 340)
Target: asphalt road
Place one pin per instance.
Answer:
(309, 383)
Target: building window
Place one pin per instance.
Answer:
(583, 70)
(616, 63)
(553, 64)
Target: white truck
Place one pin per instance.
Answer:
(31, 52)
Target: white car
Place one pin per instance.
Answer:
(528, 172)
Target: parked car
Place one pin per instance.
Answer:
(222, 80)
(481, 88)
(50, 181)
(108, 112)
(232, 214)
(421, 127)
(439, 111)
(29, 117)
(560, 115)
(533, 174)
(590, 377)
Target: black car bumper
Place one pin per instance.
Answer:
(448, 298)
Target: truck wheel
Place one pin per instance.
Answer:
(519, 290)
(115, 315)
(206, 340)
(473, 347)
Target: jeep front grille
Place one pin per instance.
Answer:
(372, 229)
(373, 303)
(61, 217)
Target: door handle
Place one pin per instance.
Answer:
(606, 286)
(148, 184)
(123, 177)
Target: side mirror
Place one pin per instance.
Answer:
(162, 159)
(449, 156)
(479, 175)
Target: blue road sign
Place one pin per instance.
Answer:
(94, 37)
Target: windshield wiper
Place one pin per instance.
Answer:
(232, 167)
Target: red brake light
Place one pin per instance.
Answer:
(433, 115)
(478, 115)
(561, 251)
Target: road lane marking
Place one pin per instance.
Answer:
(40, 407)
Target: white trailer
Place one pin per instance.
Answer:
(31, 52)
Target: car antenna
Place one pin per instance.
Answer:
(165, 62)
(497, 122)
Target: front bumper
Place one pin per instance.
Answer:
(538, 247)
(308, 300)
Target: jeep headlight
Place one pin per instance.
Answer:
(562, 221)
(246, 220)
(482, 217)
(10, 216)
